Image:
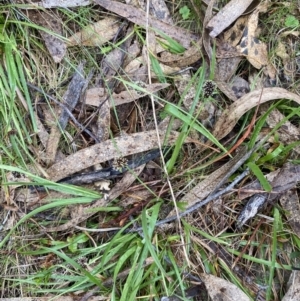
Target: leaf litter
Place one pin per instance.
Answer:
(121, 87)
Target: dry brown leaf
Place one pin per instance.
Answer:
(56, 47)
(95, 96)
(107, 150)
(233, 113)
(222, 290)
(96, 34)
(235, 33)
(227, 15)
(138, 16)
(255, 50)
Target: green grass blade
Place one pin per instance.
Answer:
(260, 176)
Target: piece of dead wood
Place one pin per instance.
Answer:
(56, 46)
(139, 17)
(220, 289)
(107, 150)
(95, 96)
(96, 34)
(89, 211)
(70, 99)
(233, 113)
(227, 15)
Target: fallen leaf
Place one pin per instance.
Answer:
(233, 113)
(107, 150)
(138, 17)
(103, 122)
(222, 290)
(95, 96)
(255, 50)
(70, 98)
(56, 46)
(64, 3)
(95, 34)
(227, 15)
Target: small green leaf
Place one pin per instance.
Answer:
(185, 12)
(291, 22)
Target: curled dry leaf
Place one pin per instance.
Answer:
(95, 34)
(227, 15)
(222, 290)
(138, 17)
(230, 116)
(107, 150)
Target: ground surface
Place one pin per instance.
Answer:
(120, 119)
